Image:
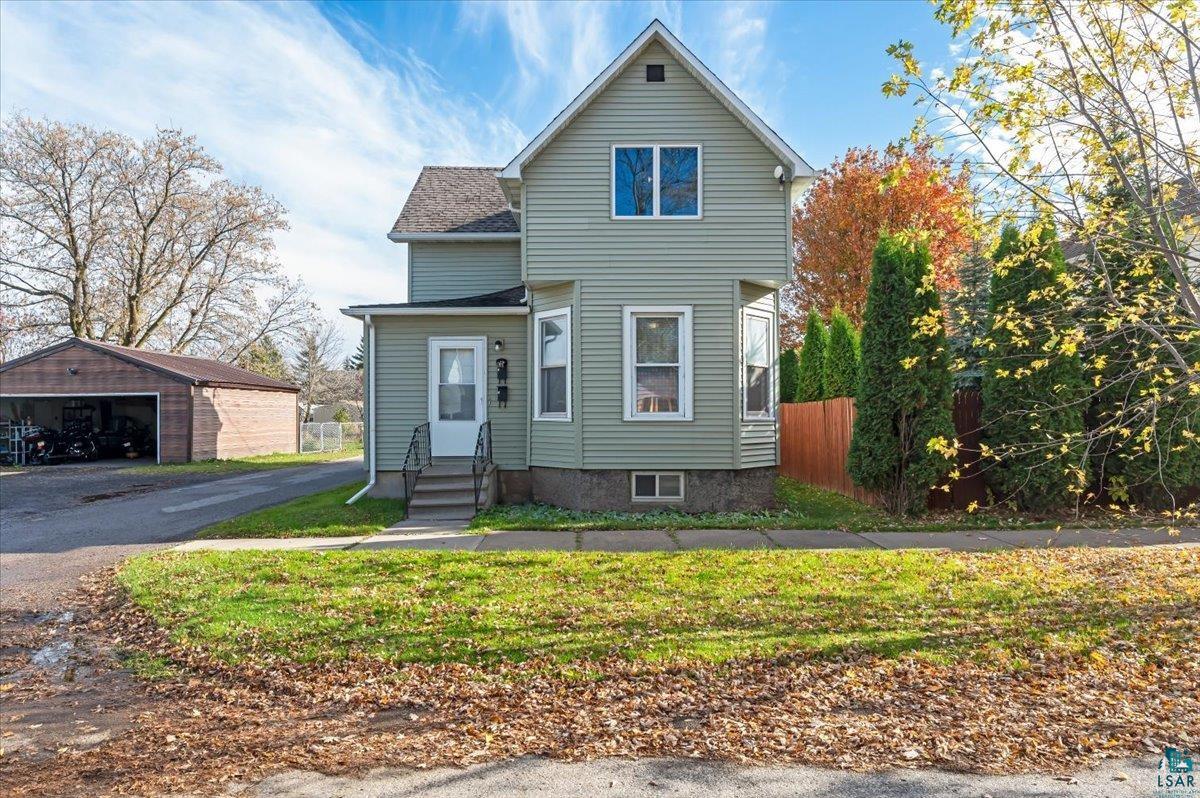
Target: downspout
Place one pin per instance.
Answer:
(371, 416)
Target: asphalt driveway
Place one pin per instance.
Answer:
(57, 524)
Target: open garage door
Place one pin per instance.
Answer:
(120, 423)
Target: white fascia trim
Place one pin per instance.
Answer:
(404, 238)
(386, 311)
(656, 31)
(538, 318)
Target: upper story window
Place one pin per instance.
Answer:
(658, 363)
(657, 181)
(552, 365)
(757, 358)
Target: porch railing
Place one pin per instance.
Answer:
(482, 458)
(417, 459)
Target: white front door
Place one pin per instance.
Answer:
(457, 394)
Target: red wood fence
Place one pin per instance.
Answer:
(814, 439)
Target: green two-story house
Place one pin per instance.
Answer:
(601, 311)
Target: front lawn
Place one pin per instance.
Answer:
(324, 514)
(799, 506)
(262, 462)
(1001, 609)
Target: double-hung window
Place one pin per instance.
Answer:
(657, 344)
(552, 365)
(657, 181)
(758, 358)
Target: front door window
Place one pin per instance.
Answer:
(456, 385)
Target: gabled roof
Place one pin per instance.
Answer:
(458, 201)
(510, 301)
(184, 368)
(657, 32)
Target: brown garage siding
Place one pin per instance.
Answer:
(99, 374)
(234, 422)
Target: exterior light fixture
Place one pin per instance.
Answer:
(498, 345)
(72, 370)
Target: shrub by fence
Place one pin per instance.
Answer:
(814, 439)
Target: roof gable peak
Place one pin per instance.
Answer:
(656, 31)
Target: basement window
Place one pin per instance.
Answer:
(657, 486)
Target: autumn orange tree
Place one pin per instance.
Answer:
(859, 196)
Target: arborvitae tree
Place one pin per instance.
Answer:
(843, 358)
(810, 382)
(1034, 394)
(789, 368)
(903, 442)
(967, 318)
(1144, 452)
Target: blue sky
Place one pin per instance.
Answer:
(333, 107)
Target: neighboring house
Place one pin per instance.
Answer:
(193, 408)
(323, 414)
(607, 301)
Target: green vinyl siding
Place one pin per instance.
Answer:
(757, 438)
(448, 270)
(402, 390)
(569, 234)
(556, 443)
(611, 442)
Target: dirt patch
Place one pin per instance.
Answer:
(209, 724)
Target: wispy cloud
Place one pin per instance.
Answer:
(742, 41)
(278, 95)
(558, 48)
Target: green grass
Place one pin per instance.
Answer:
(324, 514)
(262, 462)
(399, 606)
(799, 506)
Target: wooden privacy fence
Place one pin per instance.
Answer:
(814, 440)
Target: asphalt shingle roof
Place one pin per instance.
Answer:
(508, 298)
(197, 370)
(456, 199)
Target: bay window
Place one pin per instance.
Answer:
(658, 363)
(656, 181)
(758, 359)
(552, 365)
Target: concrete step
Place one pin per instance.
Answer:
(444, 483)
(443, 498)
(455, 512)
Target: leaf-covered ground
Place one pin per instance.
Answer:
(235, 705)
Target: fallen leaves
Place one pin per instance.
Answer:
(213, 723)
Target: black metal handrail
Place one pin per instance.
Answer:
(416, 460)
(482, 458)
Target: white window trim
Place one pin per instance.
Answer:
(564, 312)
(612, 182)
(656, 499)
(772, 364)
(629, 359)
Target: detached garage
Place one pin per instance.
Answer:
(195, 408)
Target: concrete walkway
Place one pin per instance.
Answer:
(453, 535)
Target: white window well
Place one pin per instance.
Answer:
(656, 486)
(657, 361)
(657, 181)
(758, 360)
(552, 365)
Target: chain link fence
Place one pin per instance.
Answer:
(330, 436)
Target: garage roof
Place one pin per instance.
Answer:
(192, 370)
